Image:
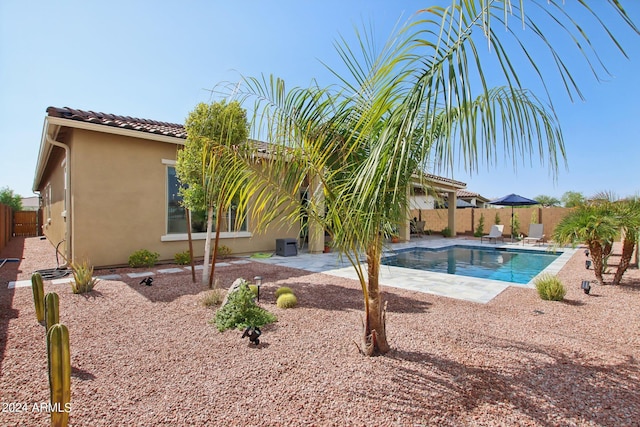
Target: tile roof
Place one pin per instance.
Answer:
(447, 180)
(124, 122)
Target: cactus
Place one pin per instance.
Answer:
(51, 304)
(38, 295)
(59, 358)
(286, 301)
(283, 290)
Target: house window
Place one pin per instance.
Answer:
(176, 215)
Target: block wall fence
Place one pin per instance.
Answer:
(467, 219)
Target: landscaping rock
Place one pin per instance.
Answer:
(233, 288)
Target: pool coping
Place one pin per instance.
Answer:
(441, 284)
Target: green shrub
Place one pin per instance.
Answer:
(480, 228)
(496, 220)
(143, 258)
(83, 280)
(446, 232)
(287, 301)
(182, 258)
(283, 290)
(550, 288)
(223, 251)
(241, 312)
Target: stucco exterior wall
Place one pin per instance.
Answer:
(53, 226)
(119, 197)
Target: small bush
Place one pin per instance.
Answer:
(241, 312)
(287, 301)
(283, 290)
(480, 228)
(143, 258)
(446, 232)
(223, 251)
(83, 280)
(550, 288)
(213, 298)
(182, 258)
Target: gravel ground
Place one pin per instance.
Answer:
(147, 356)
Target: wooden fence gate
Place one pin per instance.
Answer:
(25, 223)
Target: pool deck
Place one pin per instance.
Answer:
(447, 285)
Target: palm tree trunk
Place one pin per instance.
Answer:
(207, 245)
(597, 258)
(375, 335)
(628, 245)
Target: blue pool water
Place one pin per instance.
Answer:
(508, 265)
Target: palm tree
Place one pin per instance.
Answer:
(594, 225)
(629, 221)
(394, 114)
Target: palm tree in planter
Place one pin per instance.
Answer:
(356, 146)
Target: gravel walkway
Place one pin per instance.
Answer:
(147, 356)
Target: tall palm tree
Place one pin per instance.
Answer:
(393, 114)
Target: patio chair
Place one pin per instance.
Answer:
(495, 233)
(535, 235)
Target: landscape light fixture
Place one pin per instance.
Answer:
(258, 280)
(586, 286)
(587, 264)
(253, 334)
(147, 281)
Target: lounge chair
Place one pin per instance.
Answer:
(535, 234)
(495, 233)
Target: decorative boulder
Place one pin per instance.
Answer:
(233, 288)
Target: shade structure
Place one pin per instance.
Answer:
(513, 200)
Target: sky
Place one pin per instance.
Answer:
(158, 59)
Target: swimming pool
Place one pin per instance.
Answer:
(508, 265)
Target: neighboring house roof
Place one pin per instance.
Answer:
(469, 195)
(30, 203)
(124, 122)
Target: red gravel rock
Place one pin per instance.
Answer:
(148, 356)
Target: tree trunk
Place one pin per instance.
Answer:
(597, 259)
(215, 246)
(207, 245)
(375, 334)
(627, 252)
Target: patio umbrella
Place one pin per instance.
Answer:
(513, 200)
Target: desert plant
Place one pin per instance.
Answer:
(223, 251)
(480, 228)
(143, 258)
(182, 258)
(515, 225)
(241, 312)
(534, 216)
(38, 295)
(51, 309)
(550, 288)
(59, 364)
(287, 301)
(212, 298)
(83, 280)
(446, 232)
(497, 220)
(283, 290)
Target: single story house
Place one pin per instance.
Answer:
(108, 187)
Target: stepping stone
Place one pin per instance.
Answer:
(143, 274)
(19, 284)
(197, 267)
(110, 277)
(241, 262)
(222, 264)
(170, 270)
